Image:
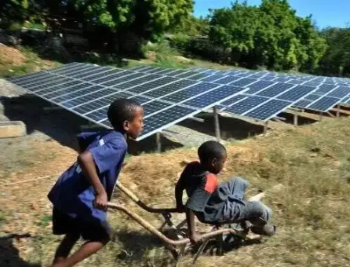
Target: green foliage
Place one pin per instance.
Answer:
(192, 26)
(267, 35)
(336, 60)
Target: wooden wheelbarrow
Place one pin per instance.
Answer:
(178, 245)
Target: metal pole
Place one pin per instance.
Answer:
(217, 124)
(265, 126)
(338, 111)
(321, 115)
(295, 119)
(159, 143)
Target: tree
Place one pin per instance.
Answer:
(268, 35)
(336, 60)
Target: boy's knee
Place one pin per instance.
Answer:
(240, 182)
(260, 210)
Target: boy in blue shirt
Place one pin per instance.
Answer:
(81, 194)
(218, 203)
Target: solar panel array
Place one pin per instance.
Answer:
(87, 90)
(271, 92)
(172, 95)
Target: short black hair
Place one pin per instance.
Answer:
(210, 150)
(122, 110)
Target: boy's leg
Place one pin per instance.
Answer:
(89, 248)
(65, 247)
(234, 188)
(259, 216)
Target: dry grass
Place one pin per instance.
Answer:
(311, 208)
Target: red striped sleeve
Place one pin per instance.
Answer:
(211, 183)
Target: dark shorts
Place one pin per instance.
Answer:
(64, 224)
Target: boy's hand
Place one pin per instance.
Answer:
(180, 208)
(195, 238)
(101, 201)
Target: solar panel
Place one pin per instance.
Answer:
(324, 104)
(247, 104)
(296, 93)
(275, 89)
(206, 99)
(243, 82)
(170, 88)
(138, 81)
(231, 101)
(303, 103)
(340, 92)
(258, 86)
(268, 110)
(154, 106)
(227, 80)
(152, 85)
(213, 78)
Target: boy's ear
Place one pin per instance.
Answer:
(214, 161)
(126, 125)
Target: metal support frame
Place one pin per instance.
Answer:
(266, 125)
(321, 115)
(159, 142)
(90, 125)
(196, 119)
(338, 111)
(295, 116)
(217, 124)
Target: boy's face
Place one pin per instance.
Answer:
(218, 164)
(135, 127)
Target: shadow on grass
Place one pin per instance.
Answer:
(9, 255)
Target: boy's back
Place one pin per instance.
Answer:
(201, 188)
(73, 194)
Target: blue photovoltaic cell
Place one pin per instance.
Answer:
(86, 73)
(312, 97)
(268, 109)
(35, 87)
(84, 107)
(154, 106)
(325, 88)
(117, 74)
(162, 119)
(190, 92)
(77, 97)
(66, 90)
(139, 68)
(296, 93)
(245, 105)
(154, 70)
(91, 95)
(170, 88)
(227, 80)
(213, 96)
(256, 87)
(312, 83)
(164, 71)
(303, 103)
(232, 100)
(140, 99)
(176, 72)
(340, 92)
(138, 81)
(28, 77)
(45, 89)
(124, 78)
(42, 79)
(212, 78)
(275, 90)
(186, 74)
(98, 115)
(152, 85)
(243, 82)
(324, 104)
(99, 75)
(199, 76)
(77, 68)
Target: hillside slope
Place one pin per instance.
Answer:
(311, 206)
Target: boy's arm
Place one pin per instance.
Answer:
(88, 167)
(178, 196)
(190, 218)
